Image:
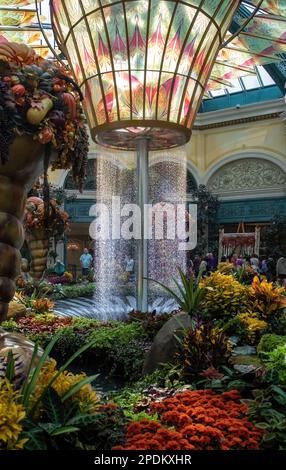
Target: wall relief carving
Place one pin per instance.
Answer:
(247, 174)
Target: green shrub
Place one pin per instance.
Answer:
(269, 342)
(203, 346)
(276, 360)
(71, 292)
(151, 322)
(118, 347)
(268, 411)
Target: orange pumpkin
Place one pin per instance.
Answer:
(19, 90)
(35, 200)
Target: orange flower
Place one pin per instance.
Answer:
(205, 421)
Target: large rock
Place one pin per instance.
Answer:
(244, 351)
(16, 310)
(165, 344)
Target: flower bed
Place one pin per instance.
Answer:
(118, 348)
(195, 420)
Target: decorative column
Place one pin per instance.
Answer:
(142, 200)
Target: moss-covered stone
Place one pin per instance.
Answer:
(247, 360)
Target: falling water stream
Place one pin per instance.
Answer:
(115, 293)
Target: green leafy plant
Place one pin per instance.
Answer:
(276, 360)
(71, 292)
(150, 322)
(118, 347)
(269, 342)
(203, 345)
(61, 409)
(188, 295)
(268, 411)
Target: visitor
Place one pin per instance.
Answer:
(86, 262)
(196, 264)
(254, 262)
(129, 267)
(233, 259)
(281, 270)
(240, 261)
(203, 271)
(59, 267)
(263, 266)
(211, 262)
(271, 268)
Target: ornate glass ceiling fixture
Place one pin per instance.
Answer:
(143, 65)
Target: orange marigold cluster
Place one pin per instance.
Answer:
(195, 420)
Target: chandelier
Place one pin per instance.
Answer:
(142, 65)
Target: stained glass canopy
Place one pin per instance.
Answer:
(144, 66)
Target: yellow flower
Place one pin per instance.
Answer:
(86, 397)
(265, 297)
(225, 268)
(224, 294)
(252, 324)
(11, 415)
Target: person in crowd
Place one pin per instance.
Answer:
(129, 267)
(233, 259)
(190, 268)
(240, 261)
(211, 262)
(196, 264)
(86, 262)
(203, 267)
(263, 266)
(281, 270)
(254, 262)
(59, 267)
(271, 268)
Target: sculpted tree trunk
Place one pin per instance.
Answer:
(24, 166)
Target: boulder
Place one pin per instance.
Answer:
(244, 351)
(166, 345)
(16, 310)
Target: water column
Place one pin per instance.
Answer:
(167, 185)
(159, 181)
(115, 290)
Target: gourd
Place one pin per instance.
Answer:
(36, 114)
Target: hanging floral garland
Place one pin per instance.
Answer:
(38, 97)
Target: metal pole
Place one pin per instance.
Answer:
(142, 199)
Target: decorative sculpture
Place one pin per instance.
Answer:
(41, 121)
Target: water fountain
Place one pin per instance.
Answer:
(142, 68)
